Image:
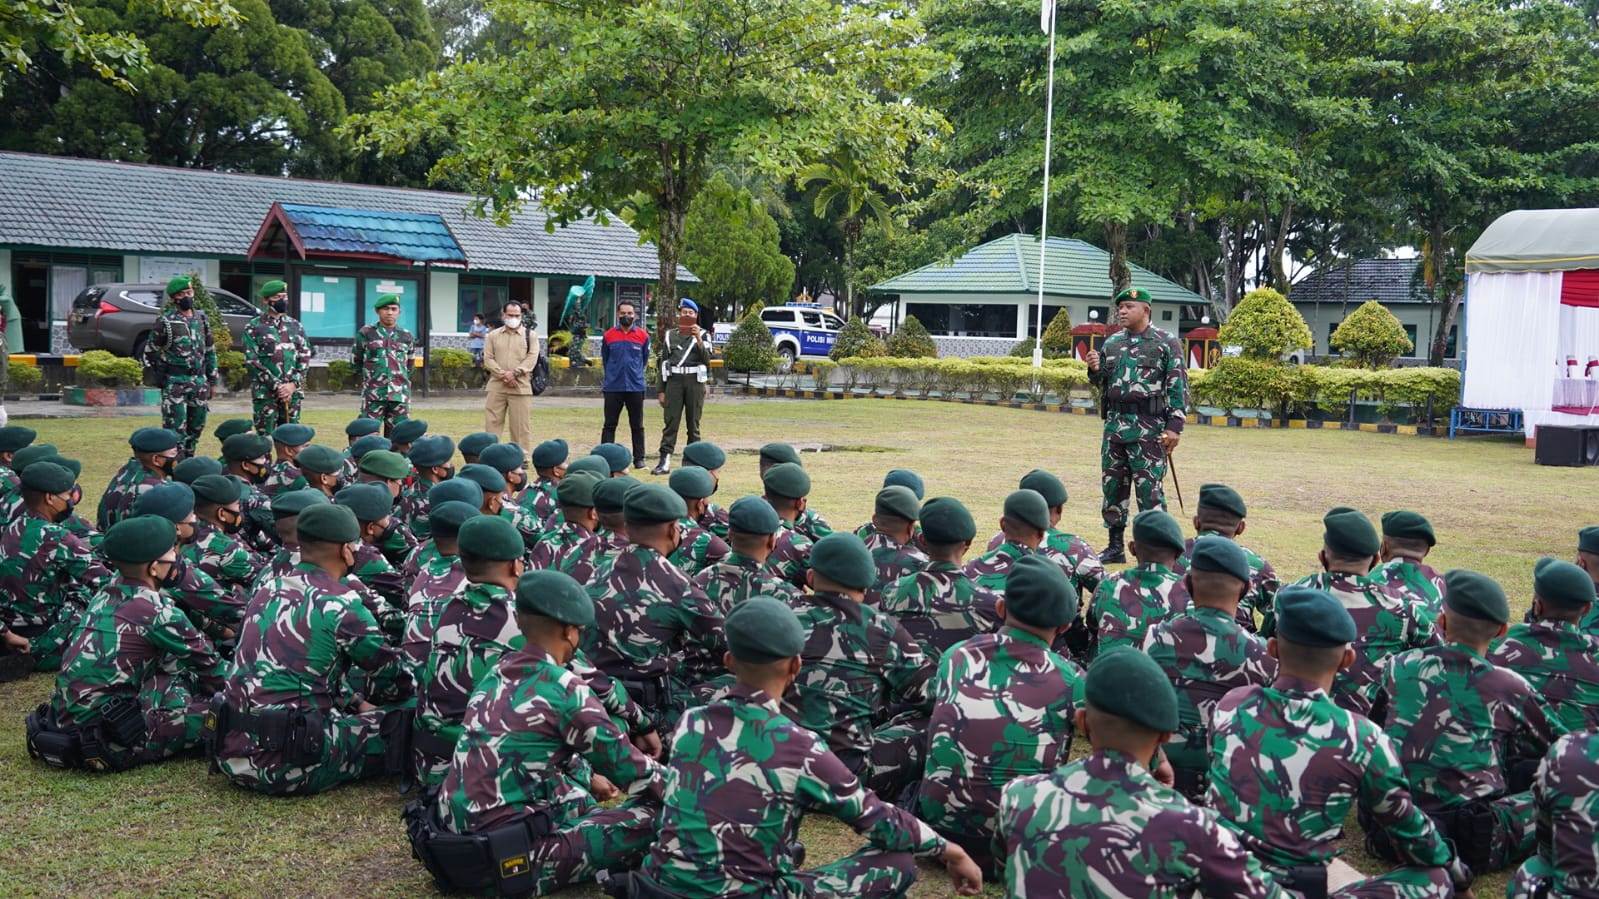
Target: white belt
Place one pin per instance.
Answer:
(687, 370)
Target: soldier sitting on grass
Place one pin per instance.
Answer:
(891, 538)
(1126, 606)
(1221, 512)
(752, 530)
(1550, 651)
(941, 605)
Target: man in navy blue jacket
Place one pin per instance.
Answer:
(623, 352)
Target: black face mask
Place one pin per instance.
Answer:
(166, 464)
(625, 321)
(388, 533)
(280, 305)
(63, 515)
(174, 575)
(185, 303)
(230, 527)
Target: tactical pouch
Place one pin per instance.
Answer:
(1471, 829)
(57, 748)
(396, 732)
(307, 739)
(1521, 774)
(498, 861)
(1309, 881)
(214, 728)
(15, 665)
(123, 722)
(649, 692)
(1191, 782)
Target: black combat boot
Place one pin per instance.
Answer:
(663, 466)
(1115, 551)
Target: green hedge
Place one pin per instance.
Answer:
(98, 368)
(452, 369)
(24, 379)
(976, 378)
(1253, 383)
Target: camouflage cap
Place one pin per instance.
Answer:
(946, 520)
(555, 595)
(898, 501)
(843, 559)
(195, 467)
(692, 482)
(705, 454)
(445, 519)
(777, 453)
(1475, 595)
(1588, 540)
(762, 629)
(179, 283)
(231, 427)
(293, 434)
(369, 443)
(649, 504)
(549, 454)
(904, 477)
(490, 480)
(432, 450)
(329, 523)
(1038, 593)
(386, 464)
(152, 440)
(610, 495)
(369, 502)
(1129, 684)
(293, 502)
(577, 490)
(361, 427)
(1027, 507)
(408, 431)
(753, 515)
(788, 480)
(47, 477)
(594, 465)
(244, 447)
(386, 301)
(616, 455)
(475, 443)
(1408, 526)
(271, 289)
(1133, 295)
(1223, 498)
(457, 490)
(143, 538)
(491, 537)
(503, 457)
(319, 459)
(1157, 528)
(1214, 552)
(216, 489)
(172, 501)
(1047, 485)
(1315, 618)
(38, 452)
(15, 437)
(1562, 584)
(1350, 533)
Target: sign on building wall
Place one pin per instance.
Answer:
(160, 269)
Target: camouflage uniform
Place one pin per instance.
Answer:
(554, 545)
(438, 578)
(527, 721)
(1387, 625)
(991, 569)
(1126, 606)
(737, 578)
(524, 521)
(1003, 709)
(1461, 725)
(475, 630)
(1263, 583)
(1080, 561)
(223, 558)
(1286, 763)
(135, 645)
(1205, 653)
(127, 485)
(862, 669)
(373, 570)
(275, 352)
(1103, 826)
(1415, 581)
(47, 579)
(588, 559)
(383, 357)
(791, 558)
(714, 520)
(1144, 368)
(411, 507)
(180, 344)
(300, 636)
(1567, 863)
(741, 777)
(698, 548)
(812, 525)
(940, 606)
(282, 475)
(208, 604)
(257, 532)
(893, 559)
(540, 499)
(1562, 665)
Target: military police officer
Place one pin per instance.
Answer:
(684, 359)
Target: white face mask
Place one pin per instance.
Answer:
(513, 322)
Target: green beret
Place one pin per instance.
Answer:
(753, 515)
(73, 466)
(1588, 540)
(554, 595)
(329, 523)
(762, 629)
(616, 455)
(777, 453)
(1338, 510)
(445, 519)
(649, 504)
(1134, 295)
(1476, 595)
(408, 431)
(232, 426)
(946, 520)
(293, 502)
(1408, 526)
(503, 457)
(898, 501)
(48, 477)
(195, 467)
(319, 459)
(610, 495)
(549, 454)
(217, 489)
(1157, 528)
(293, 434)
(1350, 533)
(369, 443)
(1047, 485)
(1223, 498)
(361, 427)
(152, 440)
(1562, 584)
(788, 480)
(843, 559)
(1027, 507)
(1038, 593)
(1130, 685)
(15, 437)
(244, 447)
(904, 477)
(491, 537)
(692, 482)
(705, 454)
(1217, 553)
(271, 289)
(431, 451)
(577, 490)
(594, 465)
(172, 501)
(179, 283)
(38, 452)
(1315, 618)
(475, 443)
(369, 502)
(490, 480)
(456, 490)
(386, 301)
(143, 538)
(386, 464)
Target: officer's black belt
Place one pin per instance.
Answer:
(1152, 405)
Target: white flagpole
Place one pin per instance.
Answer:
(1046, 21)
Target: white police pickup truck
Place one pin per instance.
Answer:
(798, 330)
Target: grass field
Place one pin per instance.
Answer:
(174, 829)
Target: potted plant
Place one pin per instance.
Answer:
(108, 380)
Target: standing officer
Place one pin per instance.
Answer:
(624, 350)
(382, 354)
(509, 354)
(180, 349)
(277, 355)
(685, 361)
(1143, 394)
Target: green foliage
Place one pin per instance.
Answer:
(221, 337)
(749, 348)
(1057, 339)
(231, 365)
(1266, 326)
(1245, 382)
(342, 375)
(453, 369)
(730, 242)
(912, 341)
(1257, 383)
(24, 379)
(558, 343)
(997, 377)
(1372, 336)
(99, 368)
(59, 28)
(856, 340)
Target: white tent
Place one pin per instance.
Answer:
(1532, 317)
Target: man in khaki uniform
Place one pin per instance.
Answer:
(509, 354)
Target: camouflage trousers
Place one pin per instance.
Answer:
(268, 412)
(1535, 879)
(46, 642)
(603, 839)
(185, 400)
(354, 746)
(174, 711)
(897, 755)
(1135, 468)
(868, 873)
(1400, 883)
(390, 412)
(1515, 830)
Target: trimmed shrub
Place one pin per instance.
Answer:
(1372, 337)
(453, 369)
(342, 375)
(912, 341)
(1240, 381)
(558, 343)
(98, 368)
(24, 379)
(230, 363)
(221, 337)
(750, 348)
(1265, 325)
(856, 341)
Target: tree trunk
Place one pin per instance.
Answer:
(668, 250)
(849, 277)
(1440, 293)
(1446, 320)
(1116, 244)
(1279, 246)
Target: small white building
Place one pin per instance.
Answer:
(1327, 296)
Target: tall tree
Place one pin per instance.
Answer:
(846, 190)
(30, 29)
(730, 243)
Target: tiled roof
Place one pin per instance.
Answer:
(58, 201)
(409, 236)
(1388, 281)
(1010, 265)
